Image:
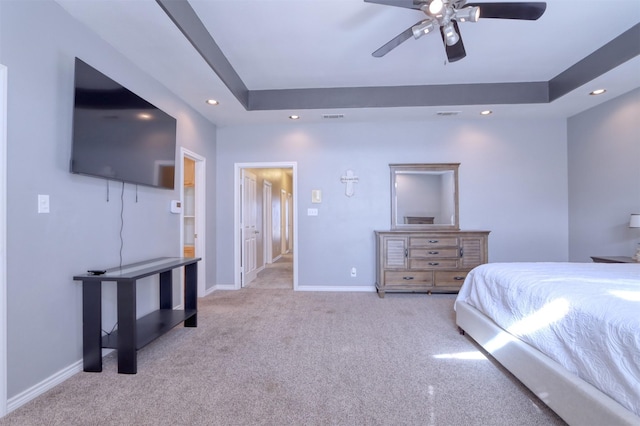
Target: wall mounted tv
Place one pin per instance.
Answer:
(119, 136)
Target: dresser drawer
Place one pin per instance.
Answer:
(434, 253)
(433, 263)
(433, 241)
(408, 277)
(450, 278)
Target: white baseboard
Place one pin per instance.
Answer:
(342, 288)
(221, 287)
(345, 288)
(42, 387)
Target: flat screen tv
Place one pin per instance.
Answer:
(119, 136)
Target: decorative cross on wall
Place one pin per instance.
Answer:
(349, 179)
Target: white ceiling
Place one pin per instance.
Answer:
(294, 44)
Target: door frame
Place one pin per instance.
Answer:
(237, 194)
(3, 240)
(200, 213)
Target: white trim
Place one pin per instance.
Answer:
(344, 288)
(200, 213)
(236, 214)
(47, 384)
(3, 240)
(221, 287)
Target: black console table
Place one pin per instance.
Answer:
(133, 334)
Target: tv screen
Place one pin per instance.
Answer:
(119, 136)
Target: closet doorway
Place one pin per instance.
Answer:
(266, 225)
(193, 215)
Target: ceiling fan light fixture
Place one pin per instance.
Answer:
(436, 8)
(424, 27)
(451, 37)
(471, 14)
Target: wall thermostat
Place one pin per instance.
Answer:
(176, 206)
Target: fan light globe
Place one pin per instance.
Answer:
(425, 27)
(436, 7)
(450, 35)
(471, 14)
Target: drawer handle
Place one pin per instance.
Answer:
(434, 252)
(407, 278)
(434, 241)
(434, 263)
(458, 278)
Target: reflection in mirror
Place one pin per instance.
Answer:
(424, 196)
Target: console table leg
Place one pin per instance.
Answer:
(191, 293)
(91, 326)
(127, 357)
(166, 290)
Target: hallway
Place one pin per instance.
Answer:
(277, 275)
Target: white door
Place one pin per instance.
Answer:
(249, 227)
(3, 242)
(267, 220)
(289, 224)
(284, 230)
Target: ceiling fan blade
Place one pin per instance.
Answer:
(529, 11)
(457, 51)
(394, 42)
(409, 4)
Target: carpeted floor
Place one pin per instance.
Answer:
(279, 357)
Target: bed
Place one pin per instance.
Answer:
(570, 332)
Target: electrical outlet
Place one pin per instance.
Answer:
(354, 272)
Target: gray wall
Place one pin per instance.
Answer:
(604, 178)
(513, 182)
(38, 43)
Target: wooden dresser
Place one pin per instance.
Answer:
(427, 261)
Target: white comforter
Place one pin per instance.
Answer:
(585, 316)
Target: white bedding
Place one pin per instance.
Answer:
(585, 316)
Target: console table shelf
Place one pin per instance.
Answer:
(134, 333)
(151, 326)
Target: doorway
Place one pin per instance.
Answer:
(193, 213)
(269, 211)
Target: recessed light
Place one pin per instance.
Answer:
(212, 102)
(486, 112)
(144, 116)
(597, 92)
(294, 117)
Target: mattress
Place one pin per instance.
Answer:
(585, 316)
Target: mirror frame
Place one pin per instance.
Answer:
(434, 167)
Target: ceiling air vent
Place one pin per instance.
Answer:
(332, 116)
(447, 113)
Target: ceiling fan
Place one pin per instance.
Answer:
(445, 15)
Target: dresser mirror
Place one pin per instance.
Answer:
(424, 196)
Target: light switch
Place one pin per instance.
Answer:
(316, 196)
(312, 212)
(43, 203)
